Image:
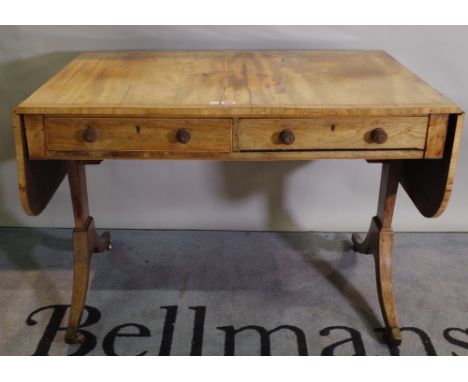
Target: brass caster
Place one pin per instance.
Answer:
(392, 336)
(355, 241)
(104, 242)
(72, 337)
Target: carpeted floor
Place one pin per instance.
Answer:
(242, 293)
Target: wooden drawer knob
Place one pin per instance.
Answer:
(379, 135)
(287, 137)
(90, 135)
(183, 136)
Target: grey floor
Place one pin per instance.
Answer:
(242, 293)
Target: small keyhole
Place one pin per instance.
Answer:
(333, 127)
(137, 129)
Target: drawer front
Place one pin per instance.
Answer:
(332, 133)
(139, 134)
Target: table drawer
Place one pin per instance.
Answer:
(332, 133)
(139, 134)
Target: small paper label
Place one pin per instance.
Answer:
(224, 102)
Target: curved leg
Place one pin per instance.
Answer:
(85, 242)
(379, 242)
(367, 245)
(383, 265)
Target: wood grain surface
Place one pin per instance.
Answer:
(236, 83)
(436, 134)
(429, 182)
(139, 134)
(242, 99)
(332, 133)
(37, 180)
(238, 105)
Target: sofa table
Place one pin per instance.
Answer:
(237, 105)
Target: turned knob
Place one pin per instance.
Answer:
(90, 135)
(379, 135)
(183, 136)
(287, 137)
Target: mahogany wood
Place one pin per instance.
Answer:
(85, 242)
(237, 83)
(138, 134)
(429, 182)
(332, 133)
(379, 242)
(238, 105)
(37, 180)
(436, 134)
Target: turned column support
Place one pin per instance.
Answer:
(85, 242)
(379, 242)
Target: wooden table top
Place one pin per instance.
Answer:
(236, 83)
(238, 105)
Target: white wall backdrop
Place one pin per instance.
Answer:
(318, 195)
